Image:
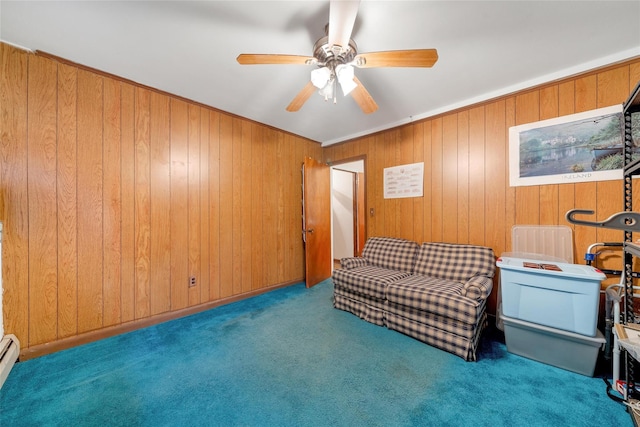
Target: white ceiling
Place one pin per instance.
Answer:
(189, 48)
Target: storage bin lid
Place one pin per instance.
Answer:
(553, 241)
(535, 266)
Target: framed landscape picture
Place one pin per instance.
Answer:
(579, 147)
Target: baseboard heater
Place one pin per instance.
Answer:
(9, 351)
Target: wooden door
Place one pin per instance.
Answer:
(316, 221)
(358, 214)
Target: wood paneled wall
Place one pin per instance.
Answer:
(112, 196)
(467, 197)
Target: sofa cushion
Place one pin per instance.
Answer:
(369, 280)
(438, 296)
(352, 262)
(456, 262)
(391, 253)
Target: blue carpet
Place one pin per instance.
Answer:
(288, 358)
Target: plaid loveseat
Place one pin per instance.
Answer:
(435, 292)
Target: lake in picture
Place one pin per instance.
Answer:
(573, 147)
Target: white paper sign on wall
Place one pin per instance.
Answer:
(404, 181)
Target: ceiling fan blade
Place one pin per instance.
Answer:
(342, 17)
(363, 98)
(301, 97)
(397, 58)
(253, 59)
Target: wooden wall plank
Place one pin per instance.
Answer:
(142, 203)
(41, 134)
(418, 202)
(463, 165)
(391, 205)
(13, 190)
(510, 192)
(549, 193)
(585, 192)
(236, 206)
(527, 198)
(450, 178)
(257, 179)
(270, 200)
(428, 182)
(193, 203)
(214, 206)
(179, 204)
(566, 192)
(112, 213)
(437, 181)
(404, 215)
(127, 148)
(280, 206)
(246, 237)
(226, 203)
(496, 160)
(160, 203)
(205, 243)
(476, 176)
(67, 201)
(90, 201)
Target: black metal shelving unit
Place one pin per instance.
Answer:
(631, 169)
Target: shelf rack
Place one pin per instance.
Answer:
(631, 250)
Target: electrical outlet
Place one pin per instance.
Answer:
(192, 281)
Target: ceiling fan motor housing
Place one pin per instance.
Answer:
(327, 55)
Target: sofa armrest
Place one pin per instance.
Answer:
(353, 262)
(478, 288)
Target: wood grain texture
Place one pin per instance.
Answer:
(13, 190)
(205, 246)
(142, 215)
(236, 207)
(105, 173)
(179, 227)
(41, 134)
(450, 194)
(418, 203)
(112, 212)
(127, 149)
(476, 176)
(257, 207)
(246, 218)
(67, 201)
(463, 176)
(193, 203)
(160, 204)
(226, 204)
(214, 206)
(90, 201)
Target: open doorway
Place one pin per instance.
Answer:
(347, 209)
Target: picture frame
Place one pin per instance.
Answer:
(403, 181)
(581, 147)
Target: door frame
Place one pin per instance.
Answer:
(343, 165)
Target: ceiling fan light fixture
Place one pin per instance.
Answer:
(320, 77)
(328, 91)
(345, 77)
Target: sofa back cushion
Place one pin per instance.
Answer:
(390, 252)
(457, 262)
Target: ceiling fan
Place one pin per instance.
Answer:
(336, 55)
